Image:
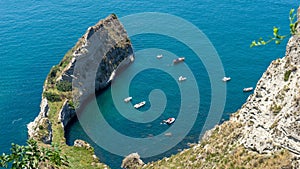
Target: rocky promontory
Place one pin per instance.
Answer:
(88, 67)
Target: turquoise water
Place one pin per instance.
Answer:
(36, 34)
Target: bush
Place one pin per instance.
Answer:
(276, 109)
(73, 105)
(52, 74)
(287, 75)
(64, 86)
(52, 97)
(53, 71)
(41, 127)
(32, 156)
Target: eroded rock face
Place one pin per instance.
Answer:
(66, 114)
(40, 128)
(81, 143)
(272, 113)
(132, 161)
(104, 49)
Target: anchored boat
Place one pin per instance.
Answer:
(139, 104)
(169, 121)
(159, 56)
(127, 99)
(247, 89)
(225, 79)
(181, 78)
(178, 60)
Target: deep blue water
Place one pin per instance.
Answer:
(36, 34)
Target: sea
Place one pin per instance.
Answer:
(35, 35)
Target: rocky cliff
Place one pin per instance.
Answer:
(100, 51)
(271, 116)
(88, 67)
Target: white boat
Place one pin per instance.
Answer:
(159, 56)
(181, 78)
(169, 120)
(139, 104)
(127, 99)
(178, 60)
(225, 79)
(247, 89)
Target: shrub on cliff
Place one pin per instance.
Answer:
(52, 74)
(32, 156)
(64, 86)
(52, 97)
(287, 75)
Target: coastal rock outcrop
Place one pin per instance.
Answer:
(132, 161)
(86, 68)
(81, 143)
(104, 49)
(272, 114)
(66, 114)
(40, 129)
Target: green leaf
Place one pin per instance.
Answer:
(275, 31)
(292, 11)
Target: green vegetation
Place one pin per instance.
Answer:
(33, 156)
(64, 86)
(52, 97)
(72, 104)
(114, 16)
(276, 36)
(275, 124)
(53, 72)
(287, 75)
(275, 109)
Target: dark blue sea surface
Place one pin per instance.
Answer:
(35, 35)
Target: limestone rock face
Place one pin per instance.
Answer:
(40, 128)
(104, 49)
(271, 116)
(66, 114)
(81, 143)
(132, 161)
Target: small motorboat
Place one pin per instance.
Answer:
(139, 104)
(181, 78)
(178, 60)
(247, 89)
(225, 79)
(127, 99)
(159, 56)
(169, 121)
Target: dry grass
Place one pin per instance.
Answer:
(221, 150)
